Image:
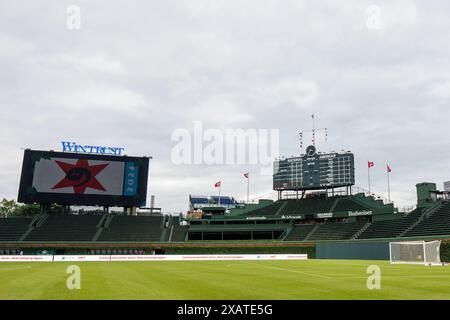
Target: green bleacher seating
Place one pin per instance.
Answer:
(65, 228)
(437, 224)
(133, 228)
(12, 229)
(122, 228)
(178, 232)
(336, 231)
(347, 204)
(299, 233)
(390, 228)
(307, 206)
(271, 209)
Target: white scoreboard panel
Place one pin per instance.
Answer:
(314, 171)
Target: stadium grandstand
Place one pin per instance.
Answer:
(306, 216)
(314, 219)
(310, 219)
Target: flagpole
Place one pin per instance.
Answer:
(248, 188)
(368, 174)
(389, 187)
(220, 187)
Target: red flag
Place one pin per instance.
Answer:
(217, 185)
(389, 170)
(370, 164)
(246, 175)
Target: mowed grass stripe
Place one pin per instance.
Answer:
(311, 279)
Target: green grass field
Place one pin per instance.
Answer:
(312, 279)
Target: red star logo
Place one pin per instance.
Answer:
(80, 176)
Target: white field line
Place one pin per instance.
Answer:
(16, 268)
(339, 276)
(289, 270)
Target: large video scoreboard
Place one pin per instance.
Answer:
(83, 179)
(314, 171)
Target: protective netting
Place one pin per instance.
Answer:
(415, 252)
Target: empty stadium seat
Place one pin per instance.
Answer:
(271, 209)
(133, 228)
(299, 233)
(65, 228)
(308, 206)
(336, 231)
(390, 228)
(347, 204)
(12, 229)
(435, 225)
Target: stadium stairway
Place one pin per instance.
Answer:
(425, 213)
(102, 221)
(34, 221)
(101, 226)
(281, 209)
(12, 229)
(390, 228)
(133, 228)
(299, 233)
(308, 236)
(364, 227)
(272, 209)
(108, 220)
(348, 204)
(64, 228)
(334, 205)
(41, 220)
(335, 231)
(435, 223)
(166, 228)
(178, 232)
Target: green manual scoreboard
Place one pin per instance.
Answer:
(314, 171)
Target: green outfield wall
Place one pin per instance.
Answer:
(353, 251)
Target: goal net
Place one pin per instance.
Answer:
(419, 252)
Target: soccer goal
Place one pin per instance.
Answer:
(418, 252)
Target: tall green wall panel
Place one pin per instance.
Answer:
(353, 251)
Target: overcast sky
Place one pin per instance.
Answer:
(135, 71)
